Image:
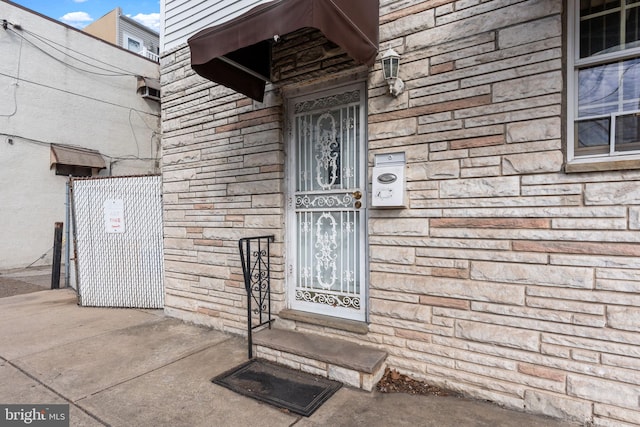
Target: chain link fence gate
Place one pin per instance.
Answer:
(118, 241)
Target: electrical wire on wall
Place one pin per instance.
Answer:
(81, 63)
(153, 131)
(93, 69)
(102, 101)
(113, 71)
(51, 43)
(12, 139)
(15, 86)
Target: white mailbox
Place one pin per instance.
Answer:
(388, 189)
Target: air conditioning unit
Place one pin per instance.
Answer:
(150, 93)
(149, 88)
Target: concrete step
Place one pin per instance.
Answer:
(352, 364)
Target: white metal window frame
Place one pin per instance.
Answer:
(125, 42)
(574, 64)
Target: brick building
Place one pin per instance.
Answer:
(511, 272)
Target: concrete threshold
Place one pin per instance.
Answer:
(352, 364)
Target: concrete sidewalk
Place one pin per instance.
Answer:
(124, 367)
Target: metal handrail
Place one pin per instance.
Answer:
(255, 255)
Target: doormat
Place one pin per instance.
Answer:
(279, 386)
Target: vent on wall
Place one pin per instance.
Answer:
(149, 88)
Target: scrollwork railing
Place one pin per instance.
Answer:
(255, 255)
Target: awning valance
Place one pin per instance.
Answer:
(237, 53)
(76, 156)
(148, 82)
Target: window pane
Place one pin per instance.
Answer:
(632, 33)
(592, 137)
(600, 34)
(631, 84)
(627, 133)
(598, 90)
(599, 27)
(609, 88)
(588, 7)
(133, 45)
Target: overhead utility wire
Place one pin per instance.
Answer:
(51, 44)
(81, 95)
(49, 144)
(6, 24)
(111, 74)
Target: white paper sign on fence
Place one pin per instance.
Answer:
(114, 216)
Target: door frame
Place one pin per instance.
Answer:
(319, 91)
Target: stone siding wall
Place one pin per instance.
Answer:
(505, 278)
(223, 160)
(223, 177)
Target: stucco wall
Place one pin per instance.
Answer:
(505, 278)
(49, 97)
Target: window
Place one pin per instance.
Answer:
(604, 80)
(133, 44)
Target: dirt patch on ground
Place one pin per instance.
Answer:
(394, 382)
(10, 287)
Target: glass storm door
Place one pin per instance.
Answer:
(326, 218)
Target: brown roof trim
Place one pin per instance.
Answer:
(245, 42)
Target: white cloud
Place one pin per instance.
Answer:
(76, 19)
(79, 1)
(151, 20)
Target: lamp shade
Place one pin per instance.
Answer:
(390, 64)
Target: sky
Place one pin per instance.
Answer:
(80, 13)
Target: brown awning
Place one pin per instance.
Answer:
(237, 53)
(76, 156)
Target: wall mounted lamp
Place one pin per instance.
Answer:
(390, 67)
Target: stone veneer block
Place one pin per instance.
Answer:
(625, 318)
(557, 406)
(346, 376)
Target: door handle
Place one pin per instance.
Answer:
(357, 195)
